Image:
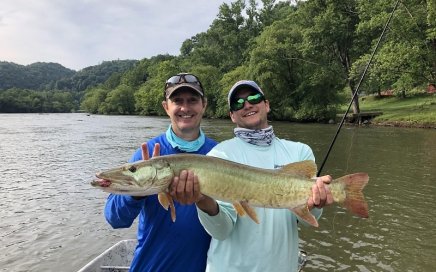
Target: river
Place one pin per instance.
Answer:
(51, 218)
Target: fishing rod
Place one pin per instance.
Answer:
(357, 89)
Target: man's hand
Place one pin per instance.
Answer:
(185, 188)
(321, 195)
(156, 151)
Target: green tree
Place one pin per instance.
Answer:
(330, 39)
(406, 58)
(209, 77)
(431, 35)
(150, 95)
(297, 87)
(225, 43)
(93, 100)
(119, 101)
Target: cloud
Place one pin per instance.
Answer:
(82, 33)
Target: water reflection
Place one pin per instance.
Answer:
(50, 216)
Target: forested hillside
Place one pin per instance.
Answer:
(308, 56)
(35, 76)
(50, 87)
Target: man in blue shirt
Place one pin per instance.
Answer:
(164, 245)
(239, 244)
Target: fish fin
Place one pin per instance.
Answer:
(239, 209)
(354, 199)
(173, 210)
(304, 214)
(243, 208)
(250, 211)
(166, 201)
(305, 169)
(163, 200)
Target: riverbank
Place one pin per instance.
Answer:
(417, 111)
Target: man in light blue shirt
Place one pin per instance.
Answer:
(239, 244)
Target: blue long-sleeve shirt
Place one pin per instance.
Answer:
(163, 245)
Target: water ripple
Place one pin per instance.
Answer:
(51, 216)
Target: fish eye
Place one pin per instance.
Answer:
(132, 169)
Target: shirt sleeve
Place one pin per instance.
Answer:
(120, 211)
(221, 225)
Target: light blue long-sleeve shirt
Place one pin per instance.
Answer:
(238, 243)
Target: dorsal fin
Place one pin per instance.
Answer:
(305, 169)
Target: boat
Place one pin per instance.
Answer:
(117, 258)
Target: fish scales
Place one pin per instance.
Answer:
(230, 181)
(235, 183)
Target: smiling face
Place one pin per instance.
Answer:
(250, 116)
(185, 107)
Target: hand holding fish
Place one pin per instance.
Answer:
(185, 189)
(321, 195)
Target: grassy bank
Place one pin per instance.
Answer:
(415, 111)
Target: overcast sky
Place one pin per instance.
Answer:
(81, 33)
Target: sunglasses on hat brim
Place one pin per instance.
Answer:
(183, 78)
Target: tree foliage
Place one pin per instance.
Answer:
(304, 54)
(406, 58)
(31, 101)
(36, 76)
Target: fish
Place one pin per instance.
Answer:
(244, 186)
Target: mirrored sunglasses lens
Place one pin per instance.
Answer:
(174, 79)
(255, 99)
(252, 99)
(238, 104)
(190, 79)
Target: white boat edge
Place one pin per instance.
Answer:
(117, 258)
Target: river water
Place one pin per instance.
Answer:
(51, 218)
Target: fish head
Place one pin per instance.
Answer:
(136, 179)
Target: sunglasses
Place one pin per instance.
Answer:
(182, 78)
(252, 99)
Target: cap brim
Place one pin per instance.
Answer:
(170, 90)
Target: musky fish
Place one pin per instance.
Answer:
(243, 186)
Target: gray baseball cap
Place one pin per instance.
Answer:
(249, 84)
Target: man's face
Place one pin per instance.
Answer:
(250, 116)
(185, 109)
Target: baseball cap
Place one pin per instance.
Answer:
(183, 80)
(243, 84)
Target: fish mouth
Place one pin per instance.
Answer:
(105, 180)
(101, 182)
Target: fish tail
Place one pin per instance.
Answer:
(354, 198)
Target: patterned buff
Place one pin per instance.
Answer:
(186, 146)
(262, 137)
